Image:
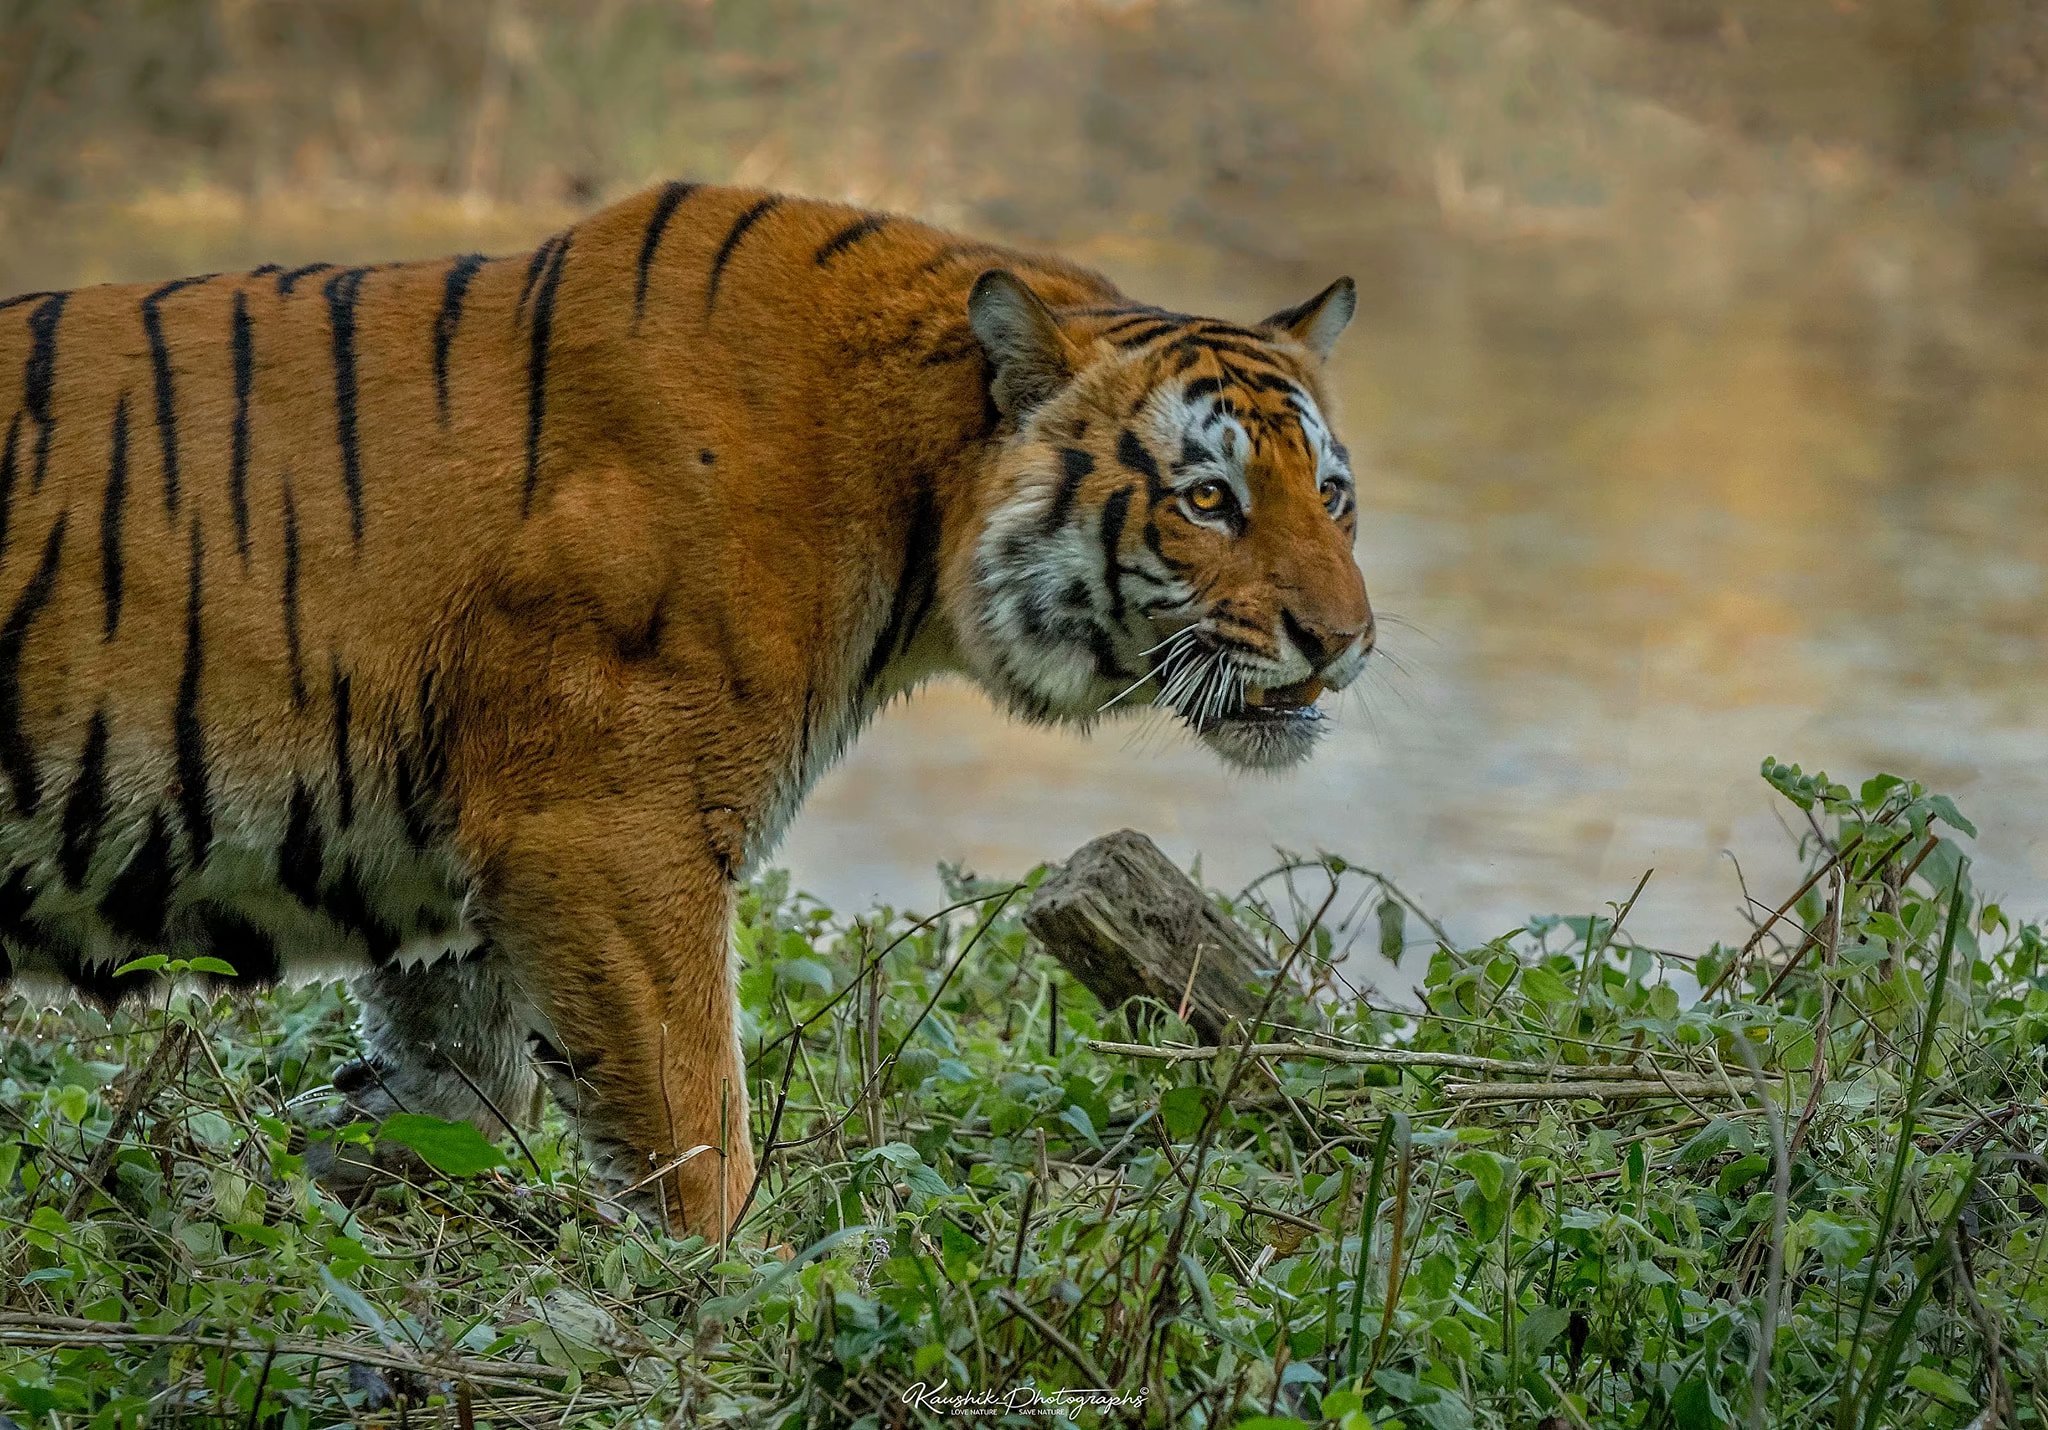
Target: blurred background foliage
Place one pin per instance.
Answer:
(1666, 124)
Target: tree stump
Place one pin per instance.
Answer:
(1121, 918)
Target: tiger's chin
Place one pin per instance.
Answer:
(1253, 738)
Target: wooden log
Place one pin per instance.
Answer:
(1121, 918)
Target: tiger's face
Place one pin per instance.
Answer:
(1170, 521)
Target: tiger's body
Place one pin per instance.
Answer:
(471, 627)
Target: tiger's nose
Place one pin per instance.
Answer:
(1322, 645)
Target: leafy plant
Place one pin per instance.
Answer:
(1580, 1182)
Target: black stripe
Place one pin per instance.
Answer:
(454, 289)
(166, 391)
(1254, 649)
(537, 370)
(733, 236)
(242, 343)
(1123, 312)
(847, 237)
(1145, 335)
(8, 471)
(945, 257)
(958, 346)
(1218, 615)
(111, 511)
(1261, 356)
(86, 810)
(300, 857)
(672, 194)
(341, 291)
(17, 896)
(17, 755)
(1179, 568)
(1211, 328)
(289, 279)
(20, 298)
(344, 771)
(138, 901)
(95, 979)
(803, 744)
(264, 270)
(1104, 652)
(1133, 314)
(420, 771)
(242, 943)
(534, 267)
(1075, 465)
(1264, 380)
(916, 582)
(39, 377)
(195, 801)
(1114, 511)
(295, 654)
(347, 905)
(1131, 452)
(1201, 387)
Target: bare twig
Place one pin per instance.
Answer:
(1389, 1057)
(1082, 1361)
(1600, 1091)
(58, 1331)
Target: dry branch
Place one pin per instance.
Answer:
(1604, 1091)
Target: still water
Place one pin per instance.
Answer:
(1627, 536)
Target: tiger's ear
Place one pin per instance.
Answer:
(1031, 357)
(1318, 323)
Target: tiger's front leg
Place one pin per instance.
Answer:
(617, 922)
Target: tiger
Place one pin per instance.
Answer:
(472, 629)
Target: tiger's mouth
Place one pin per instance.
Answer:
(1280, 705)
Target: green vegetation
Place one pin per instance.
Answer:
(1828, 1156)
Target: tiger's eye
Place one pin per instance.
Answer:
(1333, 494)
(1210, 498)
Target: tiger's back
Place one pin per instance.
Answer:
(252, 527)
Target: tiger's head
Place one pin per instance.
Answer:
(1168, 519)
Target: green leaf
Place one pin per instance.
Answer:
(46, 1227)
(1694, 1406)
(798, 974)
(72, 1103)
(1183, 1110)
(1489, 1170)
(1545, 988)
(1929, 1381)
(1540, 1327)
(1740, 1172)
(454, 1149)
(207, 964)
(1393, 921)
(1718, 1136)
(148, 963)
(1076, 1117)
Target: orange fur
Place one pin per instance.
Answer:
(602, 617)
